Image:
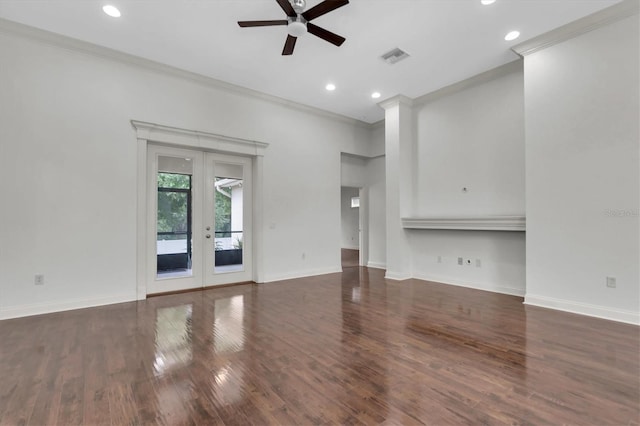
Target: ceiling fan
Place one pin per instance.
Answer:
(298, 24)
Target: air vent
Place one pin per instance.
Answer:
(395, 55)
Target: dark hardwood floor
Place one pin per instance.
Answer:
(344, 348)
(350, 258)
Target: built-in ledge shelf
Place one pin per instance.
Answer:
(484, 223)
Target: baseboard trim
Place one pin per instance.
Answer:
(596, 311)
(511, 291)
(397, 276)
(191, 290)
(301, 274)
(377, 265)
(10, 312)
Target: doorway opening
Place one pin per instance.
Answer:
(195, 260)
(200, 219)
(350, 224)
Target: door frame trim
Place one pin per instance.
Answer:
(147, 133)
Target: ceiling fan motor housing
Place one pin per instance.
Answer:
(297, 26)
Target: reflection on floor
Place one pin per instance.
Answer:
(350, 258)
(346, 348)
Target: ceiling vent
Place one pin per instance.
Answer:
(394, 55)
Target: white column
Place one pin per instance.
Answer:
(399, 162)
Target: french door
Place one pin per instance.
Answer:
(200, 219)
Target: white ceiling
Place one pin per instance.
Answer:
(448, 40)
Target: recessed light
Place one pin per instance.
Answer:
(487, 2)
(375, 95)
(330, 87)
(512, 35)
(111, 11)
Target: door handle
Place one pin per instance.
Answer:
(208, 235)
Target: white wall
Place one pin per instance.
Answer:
(353, 171)
(473, 138)
(582, 149)
(68, 171)
(377, 140)
(350, 219)
(377, 213)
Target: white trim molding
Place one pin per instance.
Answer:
(199, 140)
(510, 67)
(9, 312)
(301, 274)
(396, 100)
(484, 223)
(397, 276)
(596, 311)
(511, 291)
(376, 265)
(618, 11)
(378, 125)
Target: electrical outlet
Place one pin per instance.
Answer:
(439, 259)
(39, 279)
(478, 263)
(611, 282)
(459, 261)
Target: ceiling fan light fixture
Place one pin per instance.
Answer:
(330, 87)
(376, 95)
(487, 2)
(296, 29)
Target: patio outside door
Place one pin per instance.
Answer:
(200, 224)
(228, 219)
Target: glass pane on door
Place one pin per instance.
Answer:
(228, 218)
(174, 217)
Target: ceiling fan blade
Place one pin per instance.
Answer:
(262, 23)
(288, 9)
(289, 45)
(325, 35)
(325, 7)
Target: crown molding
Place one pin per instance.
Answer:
(624, 9)
(176, 136)
(377, 125)
(396, 100)
(75, 45)
(502, 70)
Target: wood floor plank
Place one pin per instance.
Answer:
(346, 348)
